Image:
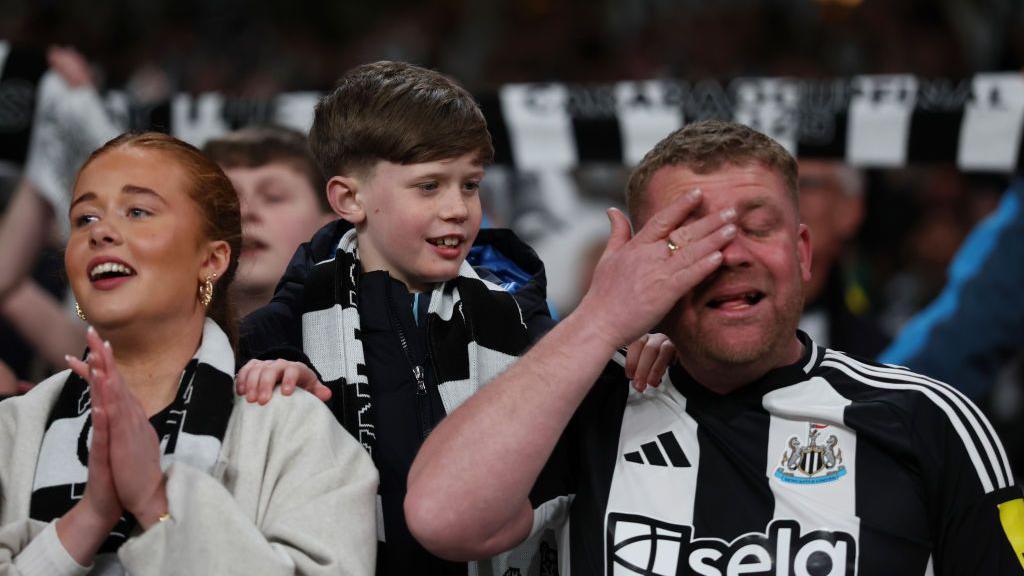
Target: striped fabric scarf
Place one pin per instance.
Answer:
(191, 430)
(475, 331)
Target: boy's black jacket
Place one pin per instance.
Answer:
(275, 330)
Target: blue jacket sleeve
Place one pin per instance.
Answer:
(977, 322)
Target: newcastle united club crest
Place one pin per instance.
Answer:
(818, 461)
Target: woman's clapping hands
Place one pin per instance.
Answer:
(124, 459)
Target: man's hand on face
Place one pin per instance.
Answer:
(639, 279)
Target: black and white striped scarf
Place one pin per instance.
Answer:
(191, 430)
(474, 327)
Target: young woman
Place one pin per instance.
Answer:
(140, 458)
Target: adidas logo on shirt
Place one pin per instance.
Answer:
(662, 451)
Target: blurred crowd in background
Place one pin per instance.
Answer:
(889, 234)
(264, 47)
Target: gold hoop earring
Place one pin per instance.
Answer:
(78, 310)
(206, 291)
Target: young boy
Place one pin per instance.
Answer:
(398, 325)
(280, 188)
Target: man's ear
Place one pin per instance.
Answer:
(803, 251)
(218, 257)
(341, 194)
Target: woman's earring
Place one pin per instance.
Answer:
(206, 291)
(78, 310)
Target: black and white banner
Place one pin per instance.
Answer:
(870, 121)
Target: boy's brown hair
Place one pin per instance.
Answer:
(261, 145)
(396, 112)
(706, 146)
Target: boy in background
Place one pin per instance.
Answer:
(280, 188)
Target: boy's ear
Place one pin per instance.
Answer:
(341, 195)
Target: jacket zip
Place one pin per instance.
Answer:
(418, 373)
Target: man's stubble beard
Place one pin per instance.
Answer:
(709, 346)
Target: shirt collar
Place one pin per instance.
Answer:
(775, 378)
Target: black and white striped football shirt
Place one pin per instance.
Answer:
(830, 466)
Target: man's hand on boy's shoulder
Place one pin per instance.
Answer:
(648, 359)
(258, 378)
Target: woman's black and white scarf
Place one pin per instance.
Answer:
(475, 330)
(191, 430)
